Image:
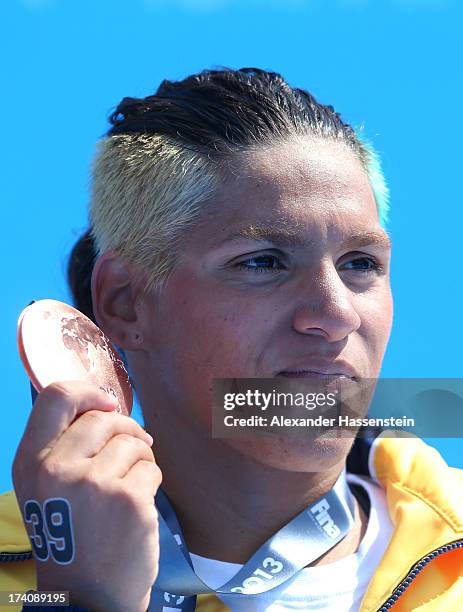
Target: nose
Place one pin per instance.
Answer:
(325, 306)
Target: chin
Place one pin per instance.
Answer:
(294, 454)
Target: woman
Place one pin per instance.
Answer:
(239, 231)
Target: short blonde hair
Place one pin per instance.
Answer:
(146, 192)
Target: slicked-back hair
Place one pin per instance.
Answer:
(162, 158)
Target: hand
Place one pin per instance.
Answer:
(102, 540)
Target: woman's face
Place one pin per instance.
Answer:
(289, 272)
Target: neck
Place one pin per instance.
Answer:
(230, 505)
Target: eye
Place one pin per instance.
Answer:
(363, 265)
(261, 263)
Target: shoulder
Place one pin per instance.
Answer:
(17, 568)
(408, 467)
(13, 536)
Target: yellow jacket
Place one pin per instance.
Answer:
(425, 502)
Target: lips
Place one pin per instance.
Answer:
(316, 375)
(329, 371)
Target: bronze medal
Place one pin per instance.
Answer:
(57, 342)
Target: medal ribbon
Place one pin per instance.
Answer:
(304, 539)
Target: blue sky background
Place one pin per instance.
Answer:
(393, 66)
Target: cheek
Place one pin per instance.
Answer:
(376, 312)
(206, 334)
(213, 332)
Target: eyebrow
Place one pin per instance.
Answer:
(286, 237)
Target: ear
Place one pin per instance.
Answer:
(115, 295)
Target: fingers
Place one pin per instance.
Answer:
(89, 434)
(55, 409)
(144, 475)
(120, 454)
